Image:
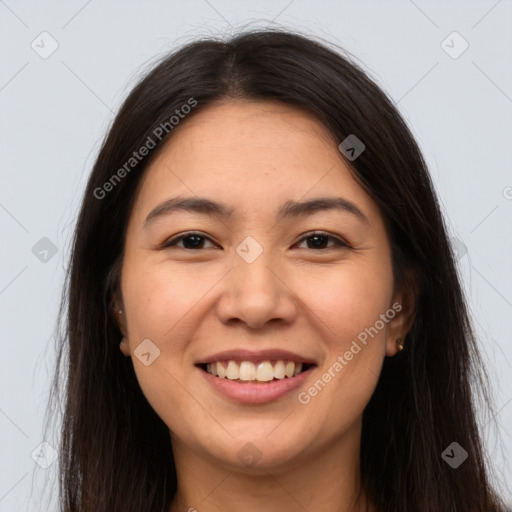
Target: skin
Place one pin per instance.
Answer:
(190, 303)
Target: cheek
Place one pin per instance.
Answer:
(348, 306)
(348, 299)
(157, 309)
(157, 299)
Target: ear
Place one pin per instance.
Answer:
(118, 313)
(404, 304)
(116, 306)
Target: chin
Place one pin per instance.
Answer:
(256, 454)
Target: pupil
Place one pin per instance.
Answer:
(316, 243)
(197, 240)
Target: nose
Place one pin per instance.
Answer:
(257, 293)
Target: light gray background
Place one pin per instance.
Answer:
(55, 111)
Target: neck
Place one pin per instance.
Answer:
(327, 479)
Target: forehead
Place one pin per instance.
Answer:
(253, 156)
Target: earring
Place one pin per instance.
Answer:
(400, 344)
(120, 311)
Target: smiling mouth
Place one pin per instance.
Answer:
(249, 372)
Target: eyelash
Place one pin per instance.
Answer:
(338, 241)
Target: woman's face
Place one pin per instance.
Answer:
(253, 285)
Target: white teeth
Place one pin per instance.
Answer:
(264, 372)
(279, 372)
(232, 371)
(289, 369)
(247, 371)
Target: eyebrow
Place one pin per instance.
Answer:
(290, 209)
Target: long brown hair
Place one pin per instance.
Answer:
(115, 451)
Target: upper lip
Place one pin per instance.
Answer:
(254, 356)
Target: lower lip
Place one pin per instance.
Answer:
(256, 393)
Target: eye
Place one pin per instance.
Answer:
(194, 240)
(319, 238)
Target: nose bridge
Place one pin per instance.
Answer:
(255, 270)
(256, 293)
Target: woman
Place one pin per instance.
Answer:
(264, 311)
